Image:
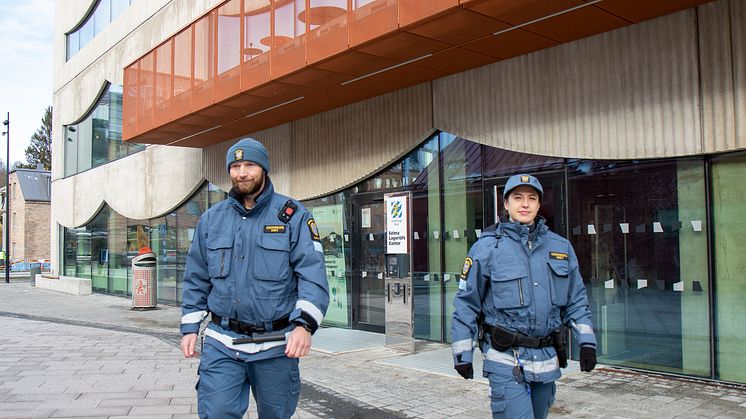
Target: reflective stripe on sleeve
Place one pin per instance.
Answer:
(582, 328)
(195, 317)
(463, 345)
(311, 309)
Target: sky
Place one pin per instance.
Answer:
(26, 28)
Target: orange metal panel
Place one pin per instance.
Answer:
(364, 88)
(455, 60)
(182, 81)
(415, 10)
(354, 62)
(228, 80)
(639, 10)
(255, 72)
(203, 89)
(509, 44)
(288, 40)
(457, 27)
(130, 101)
(280, 91)
(402, 46)
(408, 75)
(519, 11)
(316, 78)
(372, 20)
(327, 21)
(577, 24)
(163, 85)
(146, 92)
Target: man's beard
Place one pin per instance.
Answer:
(248, 188)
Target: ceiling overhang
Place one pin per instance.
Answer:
(351, 55)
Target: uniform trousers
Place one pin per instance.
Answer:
(224, 384)
(510, 399)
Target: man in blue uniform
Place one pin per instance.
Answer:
(519, 287)
(256, 267)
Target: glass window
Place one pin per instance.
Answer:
(102, 16)
(729, 230)
(187, 217)
(330, 216)
(106, 11)
(73, 44)
(632, 229)
(100, 250)
(203, 49)
(118, 262)
(256, 30)
(98, 138)
(229, 36)
(163, 244)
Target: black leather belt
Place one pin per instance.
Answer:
(249, 329)
(505, 338)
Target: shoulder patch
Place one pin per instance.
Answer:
(558, 255)
(314, 229)
(467, 267)
(274, 228)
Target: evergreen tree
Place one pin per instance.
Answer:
(40, 149)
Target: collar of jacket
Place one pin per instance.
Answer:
(518, 231)
(261, 201)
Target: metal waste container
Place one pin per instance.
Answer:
(144, 286)
(33, 271)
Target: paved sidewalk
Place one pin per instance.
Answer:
(91, 356)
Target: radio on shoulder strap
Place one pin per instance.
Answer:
(287, 211)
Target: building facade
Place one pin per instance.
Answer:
(30, 194)
(631, 113)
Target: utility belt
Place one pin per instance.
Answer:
(503, 339)
(250, 329)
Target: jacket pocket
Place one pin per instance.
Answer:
(559, 271)
(272, 257)
(219, 254)
(509, 284)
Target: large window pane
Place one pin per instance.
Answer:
(163, 244)
(461, 163)
(100, 250)
(631, 225)
(729, 217)
(187, 217)
(329, 214)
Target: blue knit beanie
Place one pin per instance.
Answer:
(248, 149)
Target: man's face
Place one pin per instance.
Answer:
(247, 177)
(523, 204)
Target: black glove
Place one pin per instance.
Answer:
(587, 358)
(465, 370)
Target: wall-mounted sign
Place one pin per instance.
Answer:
(397, 223)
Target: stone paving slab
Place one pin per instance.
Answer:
(93, 357)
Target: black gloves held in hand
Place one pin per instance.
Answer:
(466, 370)
(587, 358)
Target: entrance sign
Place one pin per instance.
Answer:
(397, 223)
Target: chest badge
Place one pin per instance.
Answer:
(557, 256)
(274, 229)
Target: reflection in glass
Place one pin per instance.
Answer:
(629, 235)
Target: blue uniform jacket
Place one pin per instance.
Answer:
(251, 266)
(529, 285)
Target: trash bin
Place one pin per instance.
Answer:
(144, 285)
(33, 271)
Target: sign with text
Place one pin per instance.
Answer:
(397, 223)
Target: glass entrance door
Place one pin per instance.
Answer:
(368, 260)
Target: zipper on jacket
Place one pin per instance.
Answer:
(530, 245)
(520, 290)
